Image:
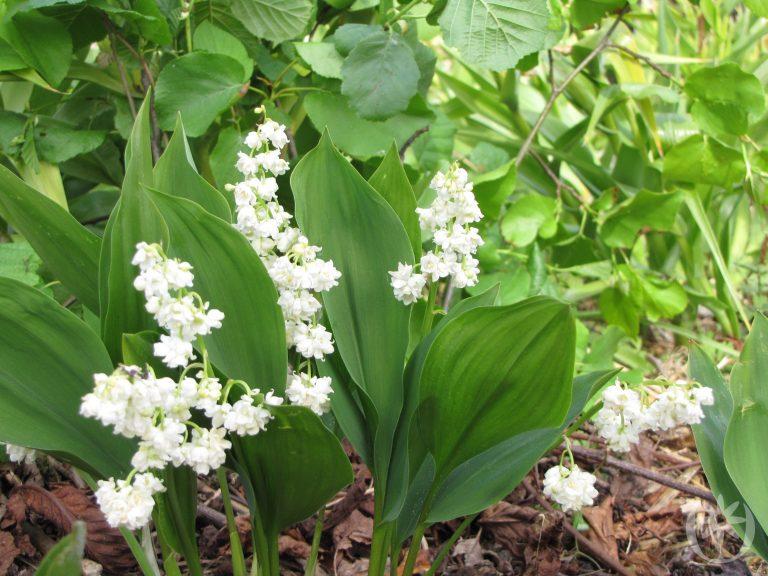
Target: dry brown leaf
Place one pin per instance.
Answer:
(470, 550)
(8, 552)
(602, 533)
(290, 546)
(355, 529)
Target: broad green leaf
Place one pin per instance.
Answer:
(474, 396)
(759, 7)
(725, 99)
(200, 86)
(380, 76)
(644, 210)
(57, 141)
(527, 218)
(657, 297)
(50, 57)
(213, 39)
(338, 210)
(250, 345)
(514, 284)
(96, 204)
(744, 446)
(347, 36)
(228, 144)
(355, 136)
(64, 559)
(490, 476)
(153, 24)
(494, 187)
(391, 181)
(274, 20)
(68, 249)
(176, 512)
(9, 58)
(322, 57)
(175, 175)
(281, 495)
(702, 160)
(710, 440)
(135, 219)
(19, 262)
(619, 309)
(495, 34)
(47, 360)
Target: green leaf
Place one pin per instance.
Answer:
(644, 210)
(527, 218)
(322, 57)
(200, 86)
(58, 142)
(175, 175)
(153, 25)
(64, 559)
(228, 144)
(725, 99)
(338, 210)
(9, 58)
(347, 36)
(494, 187)
(744, 446)
(250, 345)
(50, 57)
(495, 34)
(619, 309)
(391, 181)
(47, 360)
(355, 136)
(710, 440)
(492, 475)
(759, 7)
(380, 76)
(213, 39)
(474, 396)
(274, 20)
(19, 262)
(281, 495)
(702, 160)
(135, 219)
(68, 249)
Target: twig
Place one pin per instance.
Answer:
(557, 90)
(599, 456)
(644, 59)
(582, 541)
(120, 68)
(411, 140)
(213, 516)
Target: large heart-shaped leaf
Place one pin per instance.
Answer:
(357, 229)
(47, 360)
(710, 440)
(251, 342)
(134, 219)
(274, 467)
(744, 447)
(67, 248)
(175, 175)
(274, 20)
(474, 396)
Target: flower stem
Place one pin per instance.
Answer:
(426, 324)
(382, 534)
(448, 545)
(238, 560)
(413, 549)
(316, 536)
(148, 568)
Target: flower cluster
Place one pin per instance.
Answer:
(626, 413)
(20, 454)
(290, 259)
(572, 487)
(448, 219)
(158, 411)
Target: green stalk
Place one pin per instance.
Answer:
(238, 559)
(426, 324)
(146, 566)
(382, 534)
(448, 545)
(413, 549)
(316, 536)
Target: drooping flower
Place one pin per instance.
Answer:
(128, 503)
(572, 488)
(20, 453)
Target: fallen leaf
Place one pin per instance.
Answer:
(602, 533)
(8, 552)
(290, 546)
(355, 529)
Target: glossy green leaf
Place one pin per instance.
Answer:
(50, 58)
(644, 210)
(274, 20)
(199, 86)
(527, 218)
(64, 559)
(67, 248)
(211, 38)
(250, 345)
(391, 181)
(474, 396)
(134, 219)
(312, 469)
(619, 309)
(710, 440)
(380, 76)
(152, 23)
(495, 34)
(744, 446)
(338, 210)
(175, 175)
(322, 57)
(702, 160)
(47, 360)
(725, 99)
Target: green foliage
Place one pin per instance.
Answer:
(64, 559)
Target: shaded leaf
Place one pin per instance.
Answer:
(274, 20)
(527, 218)
(701, 160)
(644, 210)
